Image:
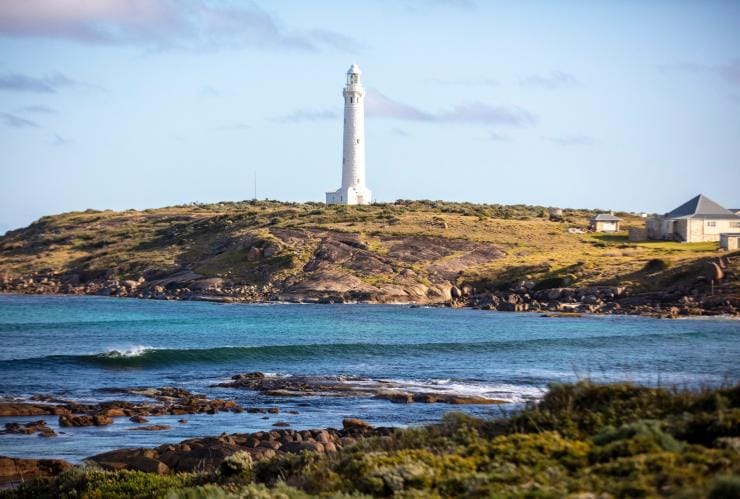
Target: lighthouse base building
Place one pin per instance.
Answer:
(353, 189)
(349, 196)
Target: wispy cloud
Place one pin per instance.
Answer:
(303, 115)
(551, 81)
(378, 105)
(572, 140)
(208, 91)
(50, 84)
(233, 127)
(37, 109)
(161, 24)
(14, 121)
(59, 140)
(497, 137)
(730, 71)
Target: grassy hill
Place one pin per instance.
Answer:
(405, 251)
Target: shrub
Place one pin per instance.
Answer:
(655, 265)
(632, 439)
(238, 464)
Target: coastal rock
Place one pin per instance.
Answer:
(355, 423)
(154, 427)
(39, 427)
(25, 409)
(14, 470)
(395, 396)
(342, 386)
(130, 459)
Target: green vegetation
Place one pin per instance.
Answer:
(581, 440)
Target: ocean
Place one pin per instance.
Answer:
(80, 347)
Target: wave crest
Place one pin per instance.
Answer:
(126, 352)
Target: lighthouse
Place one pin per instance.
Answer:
(353, 189)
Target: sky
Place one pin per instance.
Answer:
(118, 104)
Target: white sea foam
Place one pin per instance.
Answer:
(127, 351)
(498, 391)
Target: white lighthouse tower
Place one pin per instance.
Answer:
(353, 189)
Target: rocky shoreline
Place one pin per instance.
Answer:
(203, 454)
(524, 296)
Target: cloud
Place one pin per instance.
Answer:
(37, 109)
(378, 105)
(478, 112)
(208, 91)
(400, 132)
(303, 115)
(161, 24)
(497, 137)
(730, 71)
(50, 84)
(572, 140)
(60, 141)
(233, 127)
(551, 81)
(14, 121)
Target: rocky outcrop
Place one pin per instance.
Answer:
(170, 401)
(347, 386)
(15, 470)
(207, 453)
(524, 296)
(39, 427)
(29, 409)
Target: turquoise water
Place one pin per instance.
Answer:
(74, 347)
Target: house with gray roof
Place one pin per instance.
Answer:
(605, 222)
(697, 220)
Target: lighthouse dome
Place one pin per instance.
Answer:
(354, 69)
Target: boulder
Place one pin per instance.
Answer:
(254, 253)
(25, 409)
(67, 421)
(130, 459)
(297, 447)
(395, 396)
(270, 250)
(354, 423)
(14, 470)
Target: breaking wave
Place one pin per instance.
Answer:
(149, 357)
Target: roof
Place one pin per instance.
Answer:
(354, 69)
(605, 217)
(700, 207)
(730, 234)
